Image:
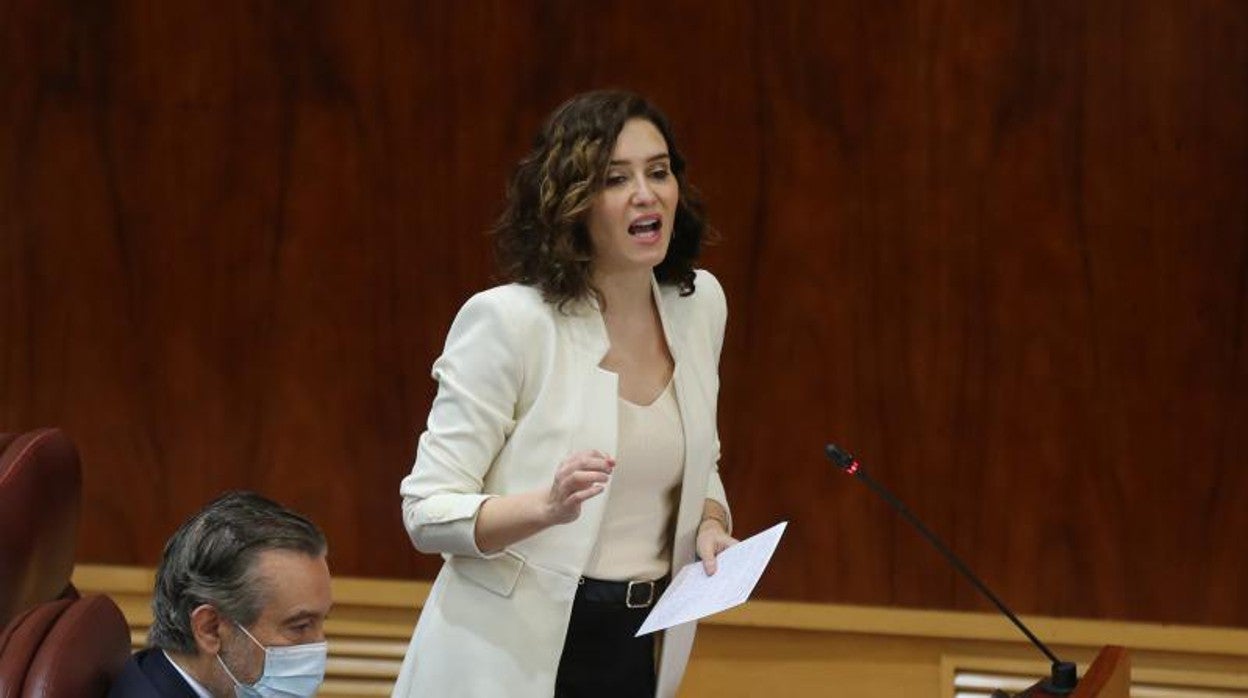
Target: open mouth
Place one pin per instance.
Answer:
(647, 225)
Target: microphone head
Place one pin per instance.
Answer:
(843, 459)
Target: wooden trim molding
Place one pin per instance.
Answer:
(810, 646)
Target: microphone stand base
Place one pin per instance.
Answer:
(1062, 682)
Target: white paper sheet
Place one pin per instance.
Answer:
(693, 595)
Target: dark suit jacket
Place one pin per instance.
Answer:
(149, 674)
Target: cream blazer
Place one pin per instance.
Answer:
(520, 388)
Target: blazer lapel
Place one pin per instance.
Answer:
(693, 421)
(596, 412)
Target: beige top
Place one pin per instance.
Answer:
(635, 540)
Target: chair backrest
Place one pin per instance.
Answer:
(20, 642)
(83, 652)
(40, 497)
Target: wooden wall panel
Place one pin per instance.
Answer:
(998, 249)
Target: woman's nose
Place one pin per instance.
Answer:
(643, 194)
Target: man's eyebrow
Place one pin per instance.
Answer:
(652, 158)
(306, 614)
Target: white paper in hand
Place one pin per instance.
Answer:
(693, 595)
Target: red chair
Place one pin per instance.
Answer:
(40, 497)
(68, 648)
(83, 652)
(20, 641)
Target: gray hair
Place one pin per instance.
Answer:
(210, 560)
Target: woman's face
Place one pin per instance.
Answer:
(630, 220)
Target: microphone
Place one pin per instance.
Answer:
(1064, 676)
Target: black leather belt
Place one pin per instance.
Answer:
(631, 594)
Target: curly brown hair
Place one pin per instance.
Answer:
(542, 239)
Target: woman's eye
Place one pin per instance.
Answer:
(661, 173)
(614, 180)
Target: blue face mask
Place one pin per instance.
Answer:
(292, 671)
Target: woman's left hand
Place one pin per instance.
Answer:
(712, 540)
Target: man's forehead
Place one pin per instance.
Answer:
(292, 583)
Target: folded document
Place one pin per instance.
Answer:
(693, 595)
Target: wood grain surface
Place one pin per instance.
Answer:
(998, 249)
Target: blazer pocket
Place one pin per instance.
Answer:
(497, 574)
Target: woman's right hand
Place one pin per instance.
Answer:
(506, 519)
(579, 477)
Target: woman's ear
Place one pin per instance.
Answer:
(206, 622)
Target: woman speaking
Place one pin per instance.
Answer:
(570, 460)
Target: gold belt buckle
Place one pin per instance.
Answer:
(628, 596)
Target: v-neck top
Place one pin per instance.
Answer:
(634, 541)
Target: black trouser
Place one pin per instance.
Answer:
(601, 658)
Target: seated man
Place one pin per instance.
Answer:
(239, 607)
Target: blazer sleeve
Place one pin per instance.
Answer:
(479, 375)
(716, 316)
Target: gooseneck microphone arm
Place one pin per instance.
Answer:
(1064, 675)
